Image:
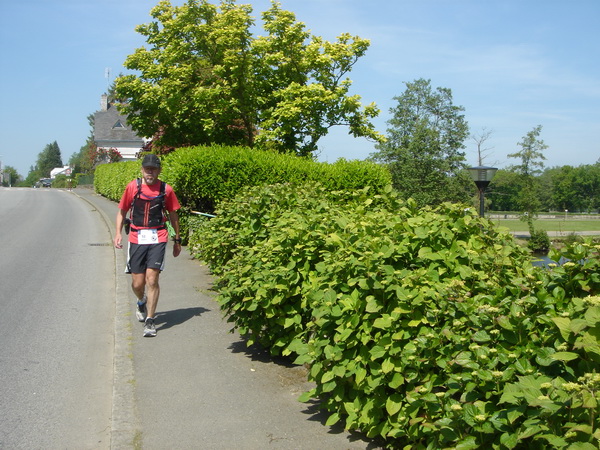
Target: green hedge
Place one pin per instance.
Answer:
(427, 328)
(110, 179)
(204, 176)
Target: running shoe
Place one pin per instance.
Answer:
(140, 311)
(149, 329)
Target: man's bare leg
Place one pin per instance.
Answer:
(153, 290)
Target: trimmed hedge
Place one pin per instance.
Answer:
(204, 176)
(110, 180)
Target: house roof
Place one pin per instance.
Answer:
(111, 126)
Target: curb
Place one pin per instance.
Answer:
(125, 422)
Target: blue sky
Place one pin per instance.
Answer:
(512, 64)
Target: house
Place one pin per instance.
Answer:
(65, 170)
(111, 130)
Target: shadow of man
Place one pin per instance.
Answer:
(167, 319)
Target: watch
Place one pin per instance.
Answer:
(178, 240)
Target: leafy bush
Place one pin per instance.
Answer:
(539, 241)
(429, 328)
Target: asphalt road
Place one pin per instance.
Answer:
(57, 291)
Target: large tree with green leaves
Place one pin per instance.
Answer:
(204, 78)
(48, 159)
(10, 176)
(531, 158)
(531, 164)
(425, 139)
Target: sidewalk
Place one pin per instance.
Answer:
(196, 385)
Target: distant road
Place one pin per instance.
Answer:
(57, 282)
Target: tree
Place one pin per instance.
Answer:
(48, 159)
(503, 192)
(532, 157)
(575, 188)
(205, 79)
(480, 140)
(10, 176)
(423, 148)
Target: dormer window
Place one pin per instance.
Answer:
(118, 124)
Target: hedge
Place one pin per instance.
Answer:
(426, 328)
(204, 176)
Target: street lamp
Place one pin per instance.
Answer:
(482, 176)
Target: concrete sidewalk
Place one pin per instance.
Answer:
(196, 385)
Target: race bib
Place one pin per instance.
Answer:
(146, 237)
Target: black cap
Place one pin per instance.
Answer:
(151, 160)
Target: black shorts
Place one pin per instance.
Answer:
(142, 257)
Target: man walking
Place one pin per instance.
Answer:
(147, 199)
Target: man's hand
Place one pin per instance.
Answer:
(118, 241)
(176, 249)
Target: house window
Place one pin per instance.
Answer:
(118, 124)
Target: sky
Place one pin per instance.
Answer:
(511, 64)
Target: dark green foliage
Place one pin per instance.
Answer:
(429, 328)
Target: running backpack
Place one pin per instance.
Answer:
(148, 211)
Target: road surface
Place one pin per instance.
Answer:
(57, 290)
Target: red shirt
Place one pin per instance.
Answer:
(171, 204)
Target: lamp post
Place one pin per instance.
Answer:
(482, 176)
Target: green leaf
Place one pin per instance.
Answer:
(383, 322)
(564, 356)
(378, 352)
(481, 336)
(589, 343)
(582, 446)
(592, 315)
(327, 376)
(564, 326)
(589, 400)
(393, 404)
(505, 323)
(387, 365)
(361, 373)
(468, 443)
(333, 419)
(306, 396)
(397, 381)
(509, 440)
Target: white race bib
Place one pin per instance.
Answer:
(146, 237)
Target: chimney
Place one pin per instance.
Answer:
(104, 102)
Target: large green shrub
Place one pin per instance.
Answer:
(429, 328)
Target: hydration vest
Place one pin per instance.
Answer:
(148, 211)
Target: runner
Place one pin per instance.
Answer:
(147, 199)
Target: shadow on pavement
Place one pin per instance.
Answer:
(168, 319)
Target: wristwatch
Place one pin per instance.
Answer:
(178, 240)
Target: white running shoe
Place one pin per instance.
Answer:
(149, 329)
(140, 311)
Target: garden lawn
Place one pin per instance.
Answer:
(560, 225)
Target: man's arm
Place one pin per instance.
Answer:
(119, 226)
(174, 219)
